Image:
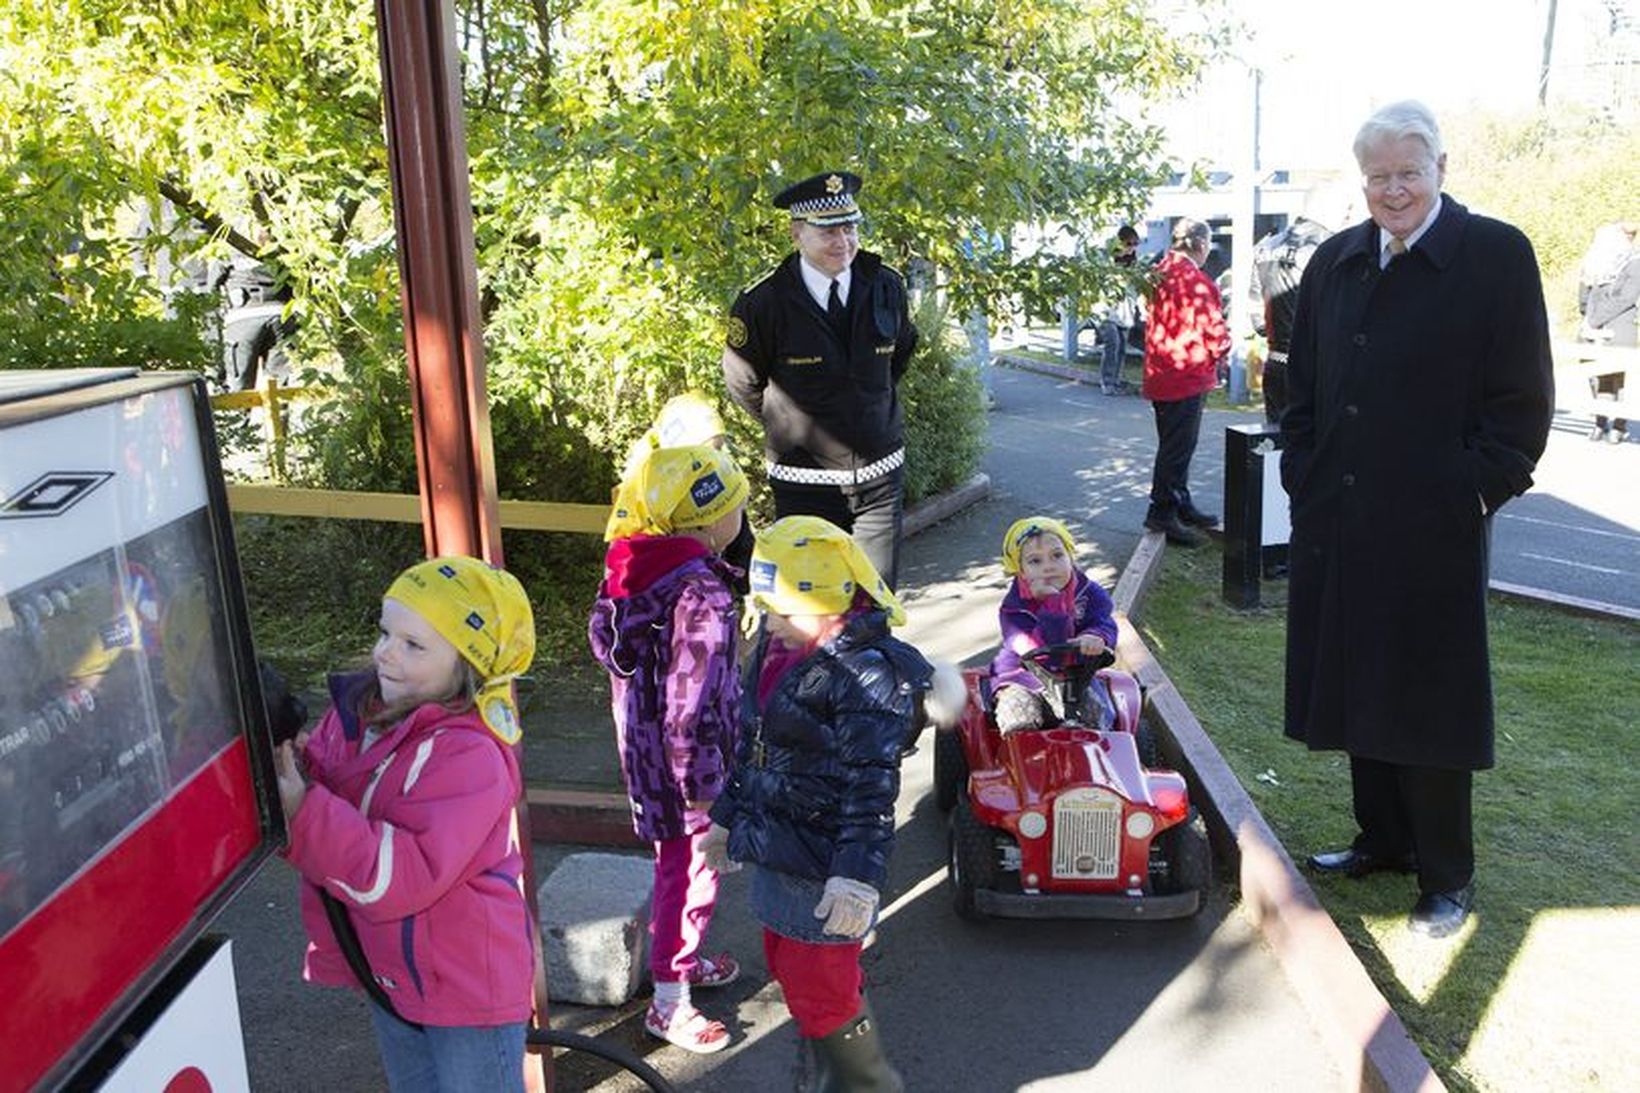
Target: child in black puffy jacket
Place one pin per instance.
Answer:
(829, 700)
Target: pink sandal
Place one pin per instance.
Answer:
(688, 1028)
(714, 971)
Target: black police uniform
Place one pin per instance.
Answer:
(826, 395)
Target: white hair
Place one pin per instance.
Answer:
(1396, 121)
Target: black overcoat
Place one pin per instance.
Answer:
(1418, 395)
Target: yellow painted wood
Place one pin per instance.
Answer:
(405, 508)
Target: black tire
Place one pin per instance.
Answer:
(1188, 858)
(971, 859)
(1150, 752)
(950, 768)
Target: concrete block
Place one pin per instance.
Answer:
(595, 927)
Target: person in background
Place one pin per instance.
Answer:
(664, 627)
(815, 351)
(1119, 317)
(1185, 339)
(830, 700)
(400, 808)
(1607, 296)
(1278, 264)
(1420, 396)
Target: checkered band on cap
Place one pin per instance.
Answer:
(823, 199)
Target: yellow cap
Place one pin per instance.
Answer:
(676, 488)
(803, 565)
(1020, 530)
(484, 613)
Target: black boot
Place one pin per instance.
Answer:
(851, 1060)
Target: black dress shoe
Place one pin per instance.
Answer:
(1440, 914)
(1192, 515)
(1177, 531)
(1359, 863)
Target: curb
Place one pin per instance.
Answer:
(930, 511)
(1369, 1042)
(1060, 371)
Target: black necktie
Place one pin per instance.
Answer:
(834, 311)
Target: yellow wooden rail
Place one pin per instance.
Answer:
(405, 508)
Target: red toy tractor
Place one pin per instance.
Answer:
(1073, 820)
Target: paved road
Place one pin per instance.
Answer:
(990, 1008)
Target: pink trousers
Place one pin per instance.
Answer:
(685, 894)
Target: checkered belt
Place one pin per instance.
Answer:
(1277, 356)
(817, 476)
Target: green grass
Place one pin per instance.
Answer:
(1558, 851)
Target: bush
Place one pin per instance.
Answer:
(944, 408)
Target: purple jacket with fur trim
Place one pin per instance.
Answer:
(1027, 625)
(663, 626)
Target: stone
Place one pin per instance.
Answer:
(595, 927)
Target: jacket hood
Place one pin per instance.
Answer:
(632, 565)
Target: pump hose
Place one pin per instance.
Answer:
(347, 939)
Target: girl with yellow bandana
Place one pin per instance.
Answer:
(663, 626)
(832, 700)
(1049, 602)
(400, 807)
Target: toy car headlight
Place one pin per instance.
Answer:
(1140, 825)
(1033, 825)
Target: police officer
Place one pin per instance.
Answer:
(815, 351)
(1278, 264)
(254, 325)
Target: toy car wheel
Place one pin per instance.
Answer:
(950, 768)
(971, 859)
(1187, 858)
(1150, 752)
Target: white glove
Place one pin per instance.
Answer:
(715, 849)
(847, 907)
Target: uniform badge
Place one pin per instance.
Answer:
(834, 184)
(736, 334)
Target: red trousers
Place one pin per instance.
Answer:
(685, 896)
(821, 982)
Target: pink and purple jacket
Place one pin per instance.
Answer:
(664, 628)
(415, 836)
(1030, 624)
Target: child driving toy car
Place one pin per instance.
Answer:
(1050, 602)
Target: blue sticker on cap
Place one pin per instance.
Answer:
(762, 576)
(706, 490)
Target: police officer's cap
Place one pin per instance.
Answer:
(823, 200)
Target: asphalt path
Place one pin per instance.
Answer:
(963, 1008)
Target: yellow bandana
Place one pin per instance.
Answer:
(484, 613)
(685, 419)
(1021, 530)
(804, 565)
(676, 488)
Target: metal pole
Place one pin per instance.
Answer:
(444, 346)
(1241, 240)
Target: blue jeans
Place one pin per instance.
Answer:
(449, 1058)
(1113, 340)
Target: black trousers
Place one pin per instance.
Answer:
(1420, 810)
(1178, 424)
(1275, 391)
(871, 512)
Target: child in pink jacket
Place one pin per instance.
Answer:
(400, 806)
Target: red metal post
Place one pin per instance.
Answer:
(444, 346)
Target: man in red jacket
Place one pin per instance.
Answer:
(1185, 337)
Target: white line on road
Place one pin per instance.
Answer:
(1575, 565)
(1570, 527)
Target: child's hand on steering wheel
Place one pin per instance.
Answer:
(1090, 644)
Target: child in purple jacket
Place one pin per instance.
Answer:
(1050, 602)
(664, 627)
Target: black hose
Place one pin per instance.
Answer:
(575, 1041)
(347, 939)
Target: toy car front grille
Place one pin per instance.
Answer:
(1087, 835)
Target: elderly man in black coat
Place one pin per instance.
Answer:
(1421, 392)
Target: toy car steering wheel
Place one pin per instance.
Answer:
(1044, 653)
